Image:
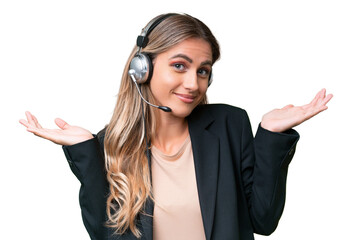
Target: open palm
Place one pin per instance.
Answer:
(279, 120)
(66, 135)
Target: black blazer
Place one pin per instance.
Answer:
(241, 180)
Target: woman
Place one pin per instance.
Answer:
(208, 177)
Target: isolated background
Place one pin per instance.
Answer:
(65, 59)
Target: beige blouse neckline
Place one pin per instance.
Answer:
(171, 157)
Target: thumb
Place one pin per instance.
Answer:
(61, 123)
(288, 106)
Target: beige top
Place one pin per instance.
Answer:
(177, 214)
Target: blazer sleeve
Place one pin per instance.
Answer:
(86, 160)
(264, 167)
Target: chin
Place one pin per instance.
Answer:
(182, 111)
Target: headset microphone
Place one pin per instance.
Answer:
(132, 73)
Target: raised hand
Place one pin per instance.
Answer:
(279, 120)
(66, 135)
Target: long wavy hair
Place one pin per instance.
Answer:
(127, 167)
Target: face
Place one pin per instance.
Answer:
(181, 75)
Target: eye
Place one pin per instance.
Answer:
(204, 72)
(179, 66)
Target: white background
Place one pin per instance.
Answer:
(65, 59)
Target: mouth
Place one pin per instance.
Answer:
(186, 98)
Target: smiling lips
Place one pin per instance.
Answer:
(186, 98)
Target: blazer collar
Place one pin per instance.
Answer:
(205, 148)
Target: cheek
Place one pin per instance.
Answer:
(156, 89)
(202, 92)
(203, 88)
(164, 82)
(160, 87)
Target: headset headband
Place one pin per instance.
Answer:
(142, 39)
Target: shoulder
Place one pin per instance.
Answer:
(101, 136)
(219, 111)
(218, 117)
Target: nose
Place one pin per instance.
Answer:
(191, 81)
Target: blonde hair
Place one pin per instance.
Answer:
(127, 167)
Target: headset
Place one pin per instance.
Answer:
(141, 67)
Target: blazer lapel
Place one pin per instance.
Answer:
(146, 219)
(206, 159)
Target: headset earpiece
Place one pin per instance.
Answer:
(142, 66)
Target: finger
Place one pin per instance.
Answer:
(317, 97)
(318, 104)
(39, 133)
(288, 106)
(37, 124)
(43, 133)
(61, 123)
(34, 130)
(327, 98)
(323, 92)
(321, 106)
(29, 118)
(325, 101)
(24, 122)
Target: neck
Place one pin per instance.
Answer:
(170, 132)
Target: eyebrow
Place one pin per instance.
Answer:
(180, 55)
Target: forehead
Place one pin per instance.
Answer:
(195, 48)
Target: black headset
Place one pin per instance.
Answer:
(141, 66)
